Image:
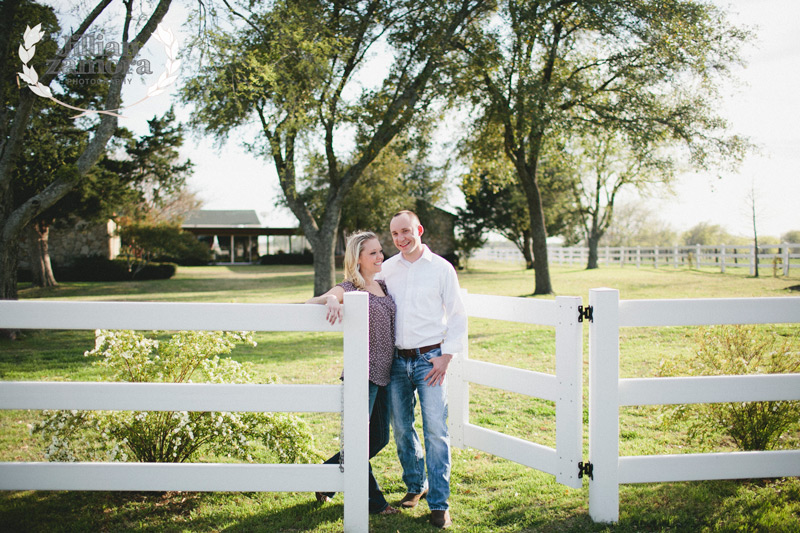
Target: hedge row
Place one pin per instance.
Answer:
(101, 269)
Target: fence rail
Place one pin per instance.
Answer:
(774, 257)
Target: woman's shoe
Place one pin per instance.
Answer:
(321, 498)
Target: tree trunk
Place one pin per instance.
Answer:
(39, 255)
(593, 241)
(527, 250)
(324, 265)
(8, 268)
(538, 235)
(9, 250)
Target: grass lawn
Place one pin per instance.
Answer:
(488, 493)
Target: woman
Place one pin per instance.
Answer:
(363, 258)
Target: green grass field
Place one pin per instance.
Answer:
(488, 493)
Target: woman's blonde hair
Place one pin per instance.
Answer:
(355, 243)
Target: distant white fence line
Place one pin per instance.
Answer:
(607, 393)
(780, 257)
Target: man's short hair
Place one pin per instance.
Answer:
(411, 214)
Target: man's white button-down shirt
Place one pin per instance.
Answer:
(429, 305)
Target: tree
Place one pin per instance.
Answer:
(133, 187)
(706, 233)
(298, 70)
(495, 202)
(547, 69)
(399, 175)
(792, 236)
(605, 165)
(154, 171)
(21, 104)
(635, 225)
(493, 207)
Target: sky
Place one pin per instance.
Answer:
(764, 107)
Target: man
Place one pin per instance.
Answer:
(431, 323)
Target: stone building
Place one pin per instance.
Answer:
(83, 239)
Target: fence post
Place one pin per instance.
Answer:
(786, 259)
(604, 405)
(638, 256)
(458, 391)
(355, 416)
(569, 376)
(722, 252)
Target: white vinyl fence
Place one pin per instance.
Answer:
(605, 468)
(779, 259)
(353, 392)
(607, 393)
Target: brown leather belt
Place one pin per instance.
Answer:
(413, 352)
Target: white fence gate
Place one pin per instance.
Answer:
(564, 388)
(353, 392)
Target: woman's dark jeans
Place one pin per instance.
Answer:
(378, 439)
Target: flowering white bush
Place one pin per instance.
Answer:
(171, 437)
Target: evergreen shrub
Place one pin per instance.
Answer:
(738, 350)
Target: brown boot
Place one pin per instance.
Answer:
(410, 500)
(441, 519)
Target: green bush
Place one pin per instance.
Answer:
(306, 257)
(164, 243)
(171, 437)
(738, 350)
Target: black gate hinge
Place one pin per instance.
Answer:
(585, 468)
(585, 312)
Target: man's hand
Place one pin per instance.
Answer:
(437, 374)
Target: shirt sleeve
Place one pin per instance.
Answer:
(455, 312)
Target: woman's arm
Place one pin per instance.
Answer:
(333, 300)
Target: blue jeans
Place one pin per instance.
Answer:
(408, 376)
(378, 439)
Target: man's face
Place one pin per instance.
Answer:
(406, 234)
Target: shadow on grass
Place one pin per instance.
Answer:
(698, 506)
(170, 288)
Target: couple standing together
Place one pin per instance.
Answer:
(417, 323)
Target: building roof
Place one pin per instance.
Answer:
(222, 219)
(230, 222)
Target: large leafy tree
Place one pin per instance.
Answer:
(21, 105)
(647, 69)
(303, 72)
(400, 175)
(496, 202)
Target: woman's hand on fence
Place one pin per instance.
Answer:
(335, 309)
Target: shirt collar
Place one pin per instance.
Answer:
(426, 255)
